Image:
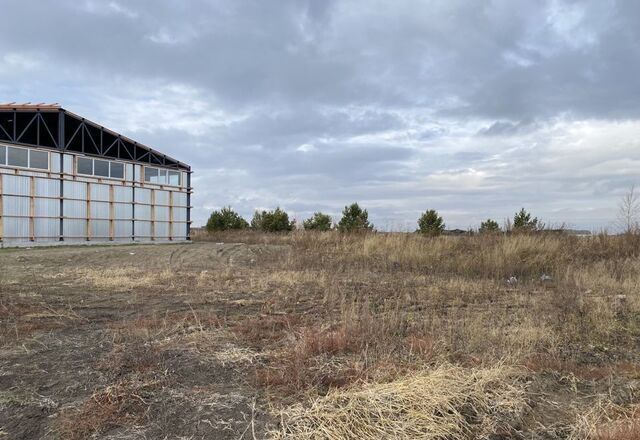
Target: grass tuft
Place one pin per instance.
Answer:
(445, 402)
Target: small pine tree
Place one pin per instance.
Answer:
(256, 221)
(224, 220)
(430, 223)
(522, 221)
(319, 222)
(354, 219)
(272, 221)
(489, 226)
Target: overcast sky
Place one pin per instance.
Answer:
(474, 108)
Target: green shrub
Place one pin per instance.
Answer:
(272, 221)
(224, 220)
(319, 222)
(522, 221)
(354, 219)
(430, 223)
(489, 226)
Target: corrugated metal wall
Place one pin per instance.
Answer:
(93, 208)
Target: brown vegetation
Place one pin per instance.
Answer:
(443, 403)
(383, 329)
(119, 405)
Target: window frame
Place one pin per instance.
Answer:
(5, 158)
(160, 171)
(178, 174)
(48, 156)
(26, 167)
(121, 164)
(144, 172)
(78, 158)
(166, 173)
(99, 163)
(93, 168)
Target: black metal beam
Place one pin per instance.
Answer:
(6, 133)
(46, 127)
(26, 127)
(140, 153)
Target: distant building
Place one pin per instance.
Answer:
(579, 232)
(456, 232)
(64, 179)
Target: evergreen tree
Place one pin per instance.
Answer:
(272, 221)
(522, 221)
(354, 219)
(319, 222)
(489, 226)
(430, 223)
(225, 219)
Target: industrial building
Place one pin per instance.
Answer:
(65, 179)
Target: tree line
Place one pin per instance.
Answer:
(353, 219)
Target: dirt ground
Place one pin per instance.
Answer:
(209, 340)
(66, 337)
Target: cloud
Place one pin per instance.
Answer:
(108, 8)
(306, 148)
(474, 109)
(19, 62)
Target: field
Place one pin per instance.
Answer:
(323, 336)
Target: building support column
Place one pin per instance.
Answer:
(1, 210)
(111, 214)
(133, 210)
(153, 214)
(88, 213)
(61, 152)
(32, 209)
(189, 205)
(170, 215)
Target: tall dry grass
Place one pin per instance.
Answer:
(392, 305)
(443, 403)
(386, 335)
(576, 299)
(481, 256)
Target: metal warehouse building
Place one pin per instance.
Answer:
(66, 179)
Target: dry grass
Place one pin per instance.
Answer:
(164, 326)
(583, 371)
(398, 332)
(608, 421)
(443, 403)
(308, 361)
(126, 279)
(122, 404)
(620, 430)
(386, 305)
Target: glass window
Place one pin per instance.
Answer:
(18, 157)
(101, 168)
(150, 175)
(85, 166)
(39, 160)
(162, 177)
(3, 155)
(117, 170)
(174, 178)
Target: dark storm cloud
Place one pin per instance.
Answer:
(502, 59)
(470, 107)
